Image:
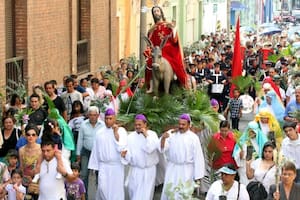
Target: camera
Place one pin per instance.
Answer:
(222, 197)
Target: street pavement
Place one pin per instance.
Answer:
(92, 180)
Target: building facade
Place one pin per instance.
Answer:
(50, 39)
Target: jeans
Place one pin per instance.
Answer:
(84, 172)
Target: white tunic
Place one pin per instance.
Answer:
(185, 159)
(216, 190)
(106, 159)
(142, 156)
(48, 180)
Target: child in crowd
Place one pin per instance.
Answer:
(50, 132)
(75, 189)
(235, 107)
(15, 190)
(4, 179)
(12, 160)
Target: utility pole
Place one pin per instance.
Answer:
(143, 31)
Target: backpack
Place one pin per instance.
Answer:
(256, 190)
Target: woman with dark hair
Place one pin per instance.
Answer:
(15, 104)
(221, 146)
(29, 155)
(287, 189)
(57, 100)
(263, 169)
(251, 141)
(10, 135)
(77, 117)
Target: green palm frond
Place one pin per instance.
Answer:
(237, 135)
(159, 111)
(274, 57)
(243, 83)
(163, 112)
(295, 114)
(101, 103)
(17, 87)
(289, 51)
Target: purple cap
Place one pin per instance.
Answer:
(186, 117)
(109, 112)
(141, 117)
(214, 102)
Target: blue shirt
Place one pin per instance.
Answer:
(291, 107)
(80, 89)
(87, 135)
(22, 142)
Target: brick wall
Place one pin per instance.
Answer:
(47, 34)
(84, 24)
(115, 33)
(21, 32)
(102, 53)
(48, 31)
(73, 31)
(2, 45)
(85, 15)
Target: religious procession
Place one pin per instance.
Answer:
(218, 120)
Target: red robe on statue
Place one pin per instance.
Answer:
(171, 51)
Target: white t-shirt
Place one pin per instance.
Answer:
(266, 177)
(216, 190)
(50, 186)
(12, 195)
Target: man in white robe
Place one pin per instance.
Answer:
(106, 159)
(142, 156)
(184, 155)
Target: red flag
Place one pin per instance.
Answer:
(236, 67)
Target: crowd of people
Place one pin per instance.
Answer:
(51, 140)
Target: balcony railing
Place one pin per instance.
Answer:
(14, 74)
(82, 56)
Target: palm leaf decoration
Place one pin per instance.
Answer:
(17, 86)
(197, 104)
(243, 83)
(162, 113)
(159, 111)
(273, 58)
(237, 135)
(101, 103)
(289, 51)
(295, 114)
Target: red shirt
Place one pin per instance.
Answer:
(223, 148)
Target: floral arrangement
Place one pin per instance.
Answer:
(22, 116)
(183, 191)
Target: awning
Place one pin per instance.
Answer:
(237, 5)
